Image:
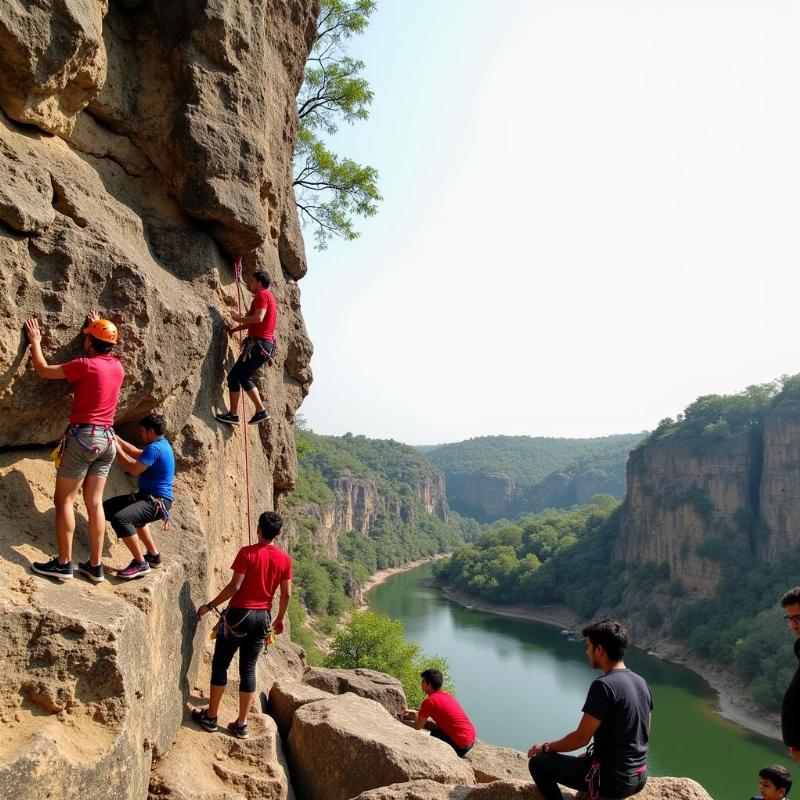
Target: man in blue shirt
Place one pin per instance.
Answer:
(130, 514)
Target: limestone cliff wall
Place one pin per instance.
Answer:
(359, 503)
(143, 145)
(687, 501)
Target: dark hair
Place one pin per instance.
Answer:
(270, 525)
(262, 278)
(433, 677)
(780, 776)
(791, 598)
(610, 635)
(155, 423)
(99, 345)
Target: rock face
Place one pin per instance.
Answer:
(359, 503)
(285, 697)
(484, 496)
(685, 503)
(383, 689)
(347, 745)
(490, 763)
(142, 146)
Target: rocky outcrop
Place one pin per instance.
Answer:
(678, 499)
(142, 145)
(484, 496)
(383, 689)
(347, 744)
(285, 697)
(490, 763)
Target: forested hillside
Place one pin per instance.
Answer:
(735, 457)
(362, 505)
(504, 476)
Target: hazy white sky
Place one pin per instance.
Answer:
(590, 218)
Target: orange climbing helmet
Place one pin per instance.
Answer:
(104, 330)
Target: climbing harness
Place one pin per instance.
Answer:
(237, 275)
(262, 348)
(224, 628)
(593, 780)
(158, 502)
(73, 432)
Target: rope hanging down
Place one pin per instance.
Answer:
(237, 276)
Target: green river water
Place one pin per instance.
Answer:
(523, 682)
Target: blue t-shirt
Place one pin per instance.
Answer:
(157, 479)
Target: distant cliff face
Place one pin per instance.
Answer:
(358, 504)
(481, 495)
(687, 504)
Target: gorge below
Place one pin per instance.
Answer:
(523, 682)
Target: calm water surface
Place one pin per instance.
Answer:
(522, 682)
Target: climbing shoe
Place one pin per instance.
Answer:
(228, 418)
(259, 416)
(53, 568)
(154, 561)
(200, 716)
(136, 569)
(239, 731)
(94, 574)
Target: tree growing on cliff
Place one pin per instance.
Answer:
(331, 190)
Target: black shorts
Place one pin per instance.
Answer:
(251, 359)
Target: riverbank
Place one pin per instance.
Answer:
(377, 578)
(733, 701)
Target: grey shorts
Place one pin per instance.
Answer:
(77, 462)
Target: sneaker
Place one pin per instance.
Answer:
(94, 574)
(228, 418)
(239, 731)
(136, 569)
(200, 716)
(53, 568)
(259, 416)
(154, 561)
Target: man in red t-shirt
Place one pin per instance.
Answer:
(257, 349)
(87, 450)
(451, 724)
(258, 570)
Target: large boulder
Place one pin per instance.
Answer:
(430, 790)
(345, 745)
(368, 683)
(671, 789)
(491, 763)
(286, 697)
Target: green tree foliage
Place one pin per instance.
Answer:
(373, 641)
(330, 190)
(554, 557)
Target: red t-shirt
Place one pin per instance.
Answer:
(263, 567)
(447, 713)
(266, 328)
(97, 382)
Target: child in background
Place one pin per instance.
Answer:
(774, 783)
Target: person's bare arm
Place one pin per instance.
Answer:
(283, 605)
(244, 322)
(129, 449)
(580, 737)
(41, 367)
(229, 591)
(129, 464)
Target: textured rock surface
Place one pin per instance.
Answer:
(384, 689)
(491, 763)
(345, 745)
(286, 697)
(677, 499)
(175, 126)
(430, 790)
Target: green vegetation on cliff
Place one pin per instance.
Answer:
(394, 497)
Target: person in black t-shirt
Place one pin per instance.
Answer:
(616, 713)
(790, 710)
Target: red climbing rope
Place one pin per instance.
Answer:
(237, 274)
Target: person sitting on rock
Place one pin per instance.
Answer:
(774, 783)
(130, 514)
(616, 713)
(258, 570)
(87, 449)
(257, 349)
(450, 723)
